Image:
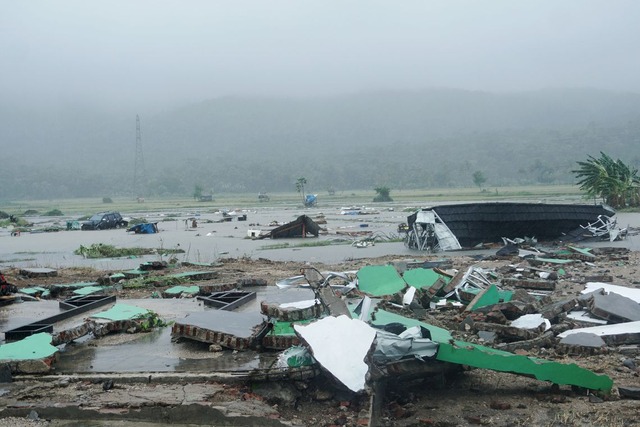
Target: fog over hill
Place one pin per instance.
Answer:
(249, 96)
(400, 139)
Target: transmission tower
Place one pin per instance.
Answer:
(140, 174)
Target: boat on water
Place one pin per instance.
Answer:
(476, 223)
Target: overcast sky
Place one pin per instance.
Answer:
(157, 53)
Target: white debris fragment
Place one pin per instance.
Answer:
(408, 296)
(340, 345)
(301, 304)
(531, 321)
(631, 293)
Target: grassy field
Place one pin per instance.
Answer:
(87, 206)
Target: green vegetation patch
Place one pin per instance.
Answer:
(100, 250)
(54, 212)
(153, 281)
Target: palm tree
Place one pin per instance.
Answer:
(616, 183)
(300, 183)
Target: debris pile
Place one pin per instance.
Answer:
(542, 314)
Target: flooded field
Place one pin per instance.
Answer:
(210, 240)
(214, 239)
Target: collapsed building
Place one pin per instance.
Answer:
(366, 328)
(451, 227)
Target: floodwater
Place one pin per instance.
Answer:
(212, 240)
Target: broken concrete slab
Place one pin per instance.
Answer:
(614, 307)
(31, 355)
(547, 339)
(597, 278)
(282, 335)
(521, 303)
(181, 291)
(122, 312)
(210, 288)
(551, 311)
(542, 285)
(119, 318)
(506, 332)
(72, 306)
(629, 392)
(531, 322)
(237, 331)
(64, 288)
(583, 339)
(625, 291)
(300, 310)
(340, 345)
(38, 272)
(71, 334)
(539, 261)
(228, 300)
(621, 333)
(584, 316)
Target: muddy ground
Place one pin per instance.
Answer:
(470, 397)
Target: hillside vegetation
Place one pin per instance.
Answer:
(398, 140)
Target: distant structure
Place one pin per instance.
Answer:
(140, 174)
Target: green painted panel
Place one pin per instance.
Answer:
(379, 280)
(33, 347)
(177, 290)
(492, 296)
(464, 353)
(122, 312)
(554, 260)
(286, 328)
(583, 251)
(89, 290)
(421, 278)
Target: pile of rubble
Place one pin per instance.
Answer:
(523, 311)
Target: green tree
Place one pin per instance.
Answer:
(300, 183)
(612, 180)
(197, 192)
(382, 194)
(479, 179)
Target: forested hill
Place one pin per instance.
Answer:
(431, 138)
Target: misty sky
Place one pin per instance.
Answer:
(132, 54)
